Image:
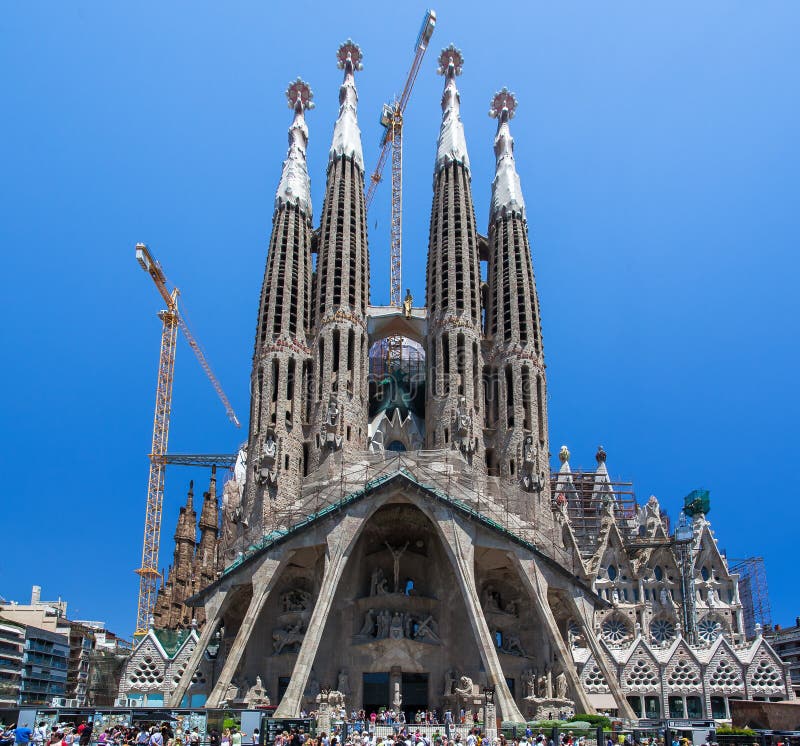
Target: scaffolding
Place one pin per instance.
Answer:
(587, 495)
(753, 593)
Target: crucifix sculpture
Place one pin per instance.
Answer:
(396, 554)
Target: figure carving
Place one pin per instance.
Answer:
(397, 699)
(231, 693)
(427, 630)
(491, 599)
(257, 695)
(712, 597)
(561, 685)
(296, 600)
(378, 583)
(408, 302)
(343, 682)
(548, 680)
(541, 685)
(396, 627)
(529, 683)
(396, 554)
(533, 478)
(290, 637)
(465, 687)
(267, 471)
(368, 628)
(512, 645)
(330, 429)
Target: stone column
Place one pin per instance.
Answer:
(339, 542)
(537, 587)
(489, 721)
(613, 682)
(263, 584)
(214, 608)
(460, 549)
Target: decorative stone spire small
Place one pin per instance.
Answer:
(600, 456)
(295, 185)
(452, 144)
(346, 133)
(563, 455)
(506, 189)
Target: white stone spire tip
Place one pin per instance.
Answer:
(295, 185)
(346, 134)
(452, 145)
(349, 52)
(450, 57)
(299, 94)
(503, 101)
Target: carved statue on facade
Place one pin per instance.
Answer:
(548, 681)
(289, 637)
(397, 699)
(330, 434)
(267, 465)
(529, 683)
(408, 304)
(561, 685)
(396, 628)
(533, 478)
(465, 687)
(257, 695)
(368, 628)
(512, 645)
(343, 682)
(296, 600)
(396, 554)
(378, 583)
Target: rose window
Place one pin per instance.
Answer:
(662, 630)
(709, 629)
(615, 630)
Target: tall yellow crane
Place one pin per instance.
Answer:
(392, 139)
(148, 573)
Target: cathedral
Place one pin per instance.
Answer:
(392, 535)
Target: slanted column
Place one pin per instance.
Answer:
(613, 682)
(214, 609)
(537, 587)
(339, 544)
(461, 551)
(263, 584)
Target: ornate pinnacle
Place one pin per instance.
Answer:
(299, 93)
(349, 57)
(450, 57)
(600, 456)
(563, 454)
(503, 101)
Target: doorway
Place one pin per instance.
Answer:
(415, 694)
(376, 691)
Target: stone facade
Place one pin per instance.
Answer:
(392, 536)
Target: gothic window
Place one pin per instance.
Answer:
(616, 629)
(662, 630)
(526, 397)
(147, 673)
(540, 408)
(684, 674)
(709, 629)
(612, 572)
(641, 675)
(461, 363)
(766, 675)
(510, 395)
(704, 573)
(726, 676)
(593, 679)
(658, 572)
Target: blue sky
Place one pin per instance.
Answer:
(658, 150)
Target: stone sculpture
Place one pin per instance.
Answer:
(465, 687)
(288, 637)
(561, 685)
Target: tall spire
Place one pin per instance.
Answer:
(515, 358)
(506, 189)
(341, 290)
(295, 185)
(454, 413)
(281, 354)
(346, 134)
(452, 144)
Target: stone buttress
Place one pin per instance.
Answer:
(281, 359)
(517, 390)
(454, 408)
(341, 292)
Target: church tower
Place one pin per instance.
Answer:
(281, 358)
(170, 611)
(516, 395)
(454, 408)
(341, 292)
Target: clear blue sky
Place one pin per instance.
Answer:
(658, 149)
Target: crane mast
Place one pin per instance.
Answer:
(171, 320)
(392, 139)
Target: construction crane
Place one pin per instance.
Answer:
(171, 320)
(392, 140)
